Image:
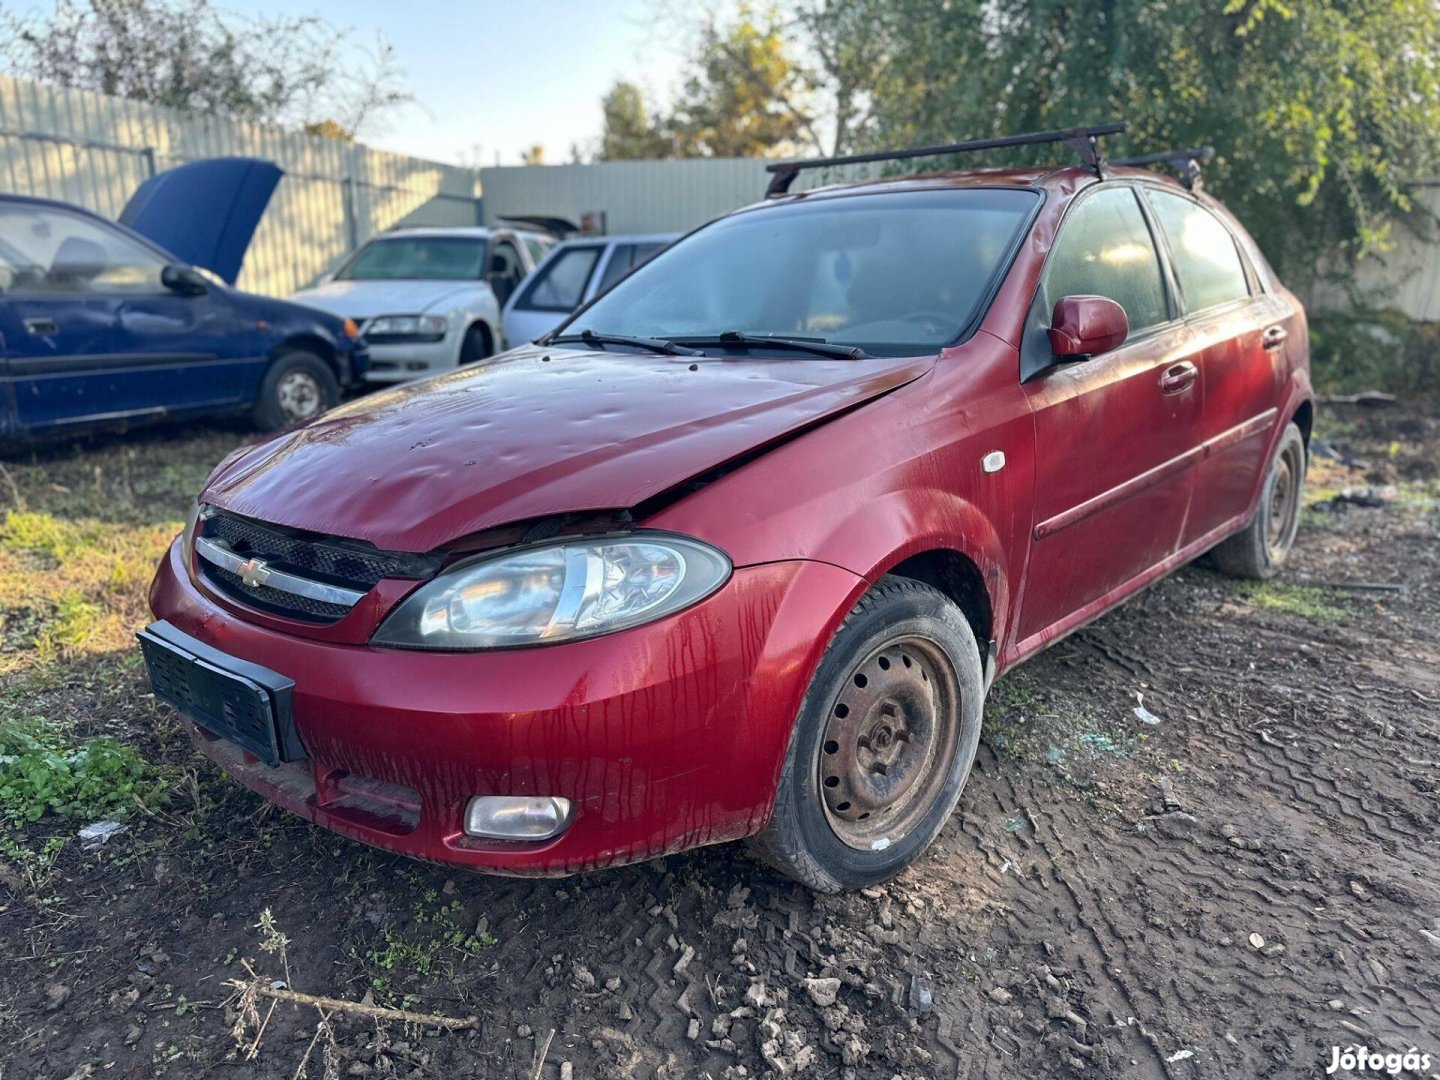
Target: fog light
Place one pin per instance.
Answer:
(517, 817)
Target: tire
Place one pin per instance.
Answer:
(299, 386)
(1258, 552)
(477, 344)
(831, 829)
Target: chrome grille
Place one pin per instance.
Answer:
(292, 573)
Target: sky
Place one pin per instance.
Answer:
(502, 75)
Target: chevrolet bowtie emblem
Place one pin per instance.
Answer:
(254, 573)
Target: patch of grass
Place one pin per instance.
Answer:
(69, 588)
(1305, 601)
(43, 771)
(433, 944)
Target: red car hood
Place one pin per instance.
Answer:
(426, 464)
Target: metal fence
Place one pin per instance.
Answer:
(95, 150)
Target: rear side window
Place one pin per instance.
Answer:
(560, 285)
(1207, 263)
(1105, 249)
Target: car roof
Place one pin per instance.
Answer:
(621, 238)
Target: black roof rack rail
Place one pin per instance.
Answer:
(1186, 163)
(1083, 140)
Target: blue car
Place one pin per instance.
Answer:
(105, 324)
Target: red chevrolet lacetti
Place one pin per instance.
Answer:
(737, 551)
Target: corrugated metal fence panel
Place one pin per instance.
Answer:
(635, 196)
(95, 150)
(638, 196)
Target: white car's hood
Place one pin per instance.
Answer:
(365, 299)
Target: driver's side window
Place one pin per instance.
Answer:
(51, 252)
(1104, 249)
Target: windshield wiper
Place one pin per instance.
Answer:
(659, 345)
(818, 346)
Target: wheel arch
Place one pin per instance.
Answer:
(938, 538)
(1304, 419)
(313, 343)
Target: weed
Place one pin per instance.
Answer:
(1305, 601)
(42, 769)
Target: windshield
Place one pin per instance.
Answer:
(417, 258)
(893, 274)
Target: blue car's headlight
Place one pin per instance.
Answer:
(556, 592)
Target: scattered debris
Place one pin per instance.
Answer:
(95, 836)
(922, 1000)
(1256, 941)
(1145, 715)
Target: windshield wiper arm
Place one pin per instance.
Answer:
(659, 345)
(818, 346)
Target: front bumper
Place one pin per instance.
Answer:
(392, 363)
(664, 737)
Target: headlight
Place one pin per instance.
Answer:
(414, 326)
(556, 592)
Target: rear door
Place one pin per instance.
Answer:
(1238, 330)
(1114, 434)
(96, 336)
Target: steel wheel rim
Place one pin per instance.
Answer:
(891, 732)
(299, 395)
(1282, 498)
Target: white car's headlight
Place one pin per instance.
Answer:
(422, 326)
(556, 592)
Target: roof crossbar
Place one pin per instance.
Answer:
(1083, 140)
(1186, 163)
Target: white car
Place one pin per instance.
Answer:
(576, 272)
(429, 299)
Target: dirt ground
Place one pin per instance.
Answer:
(1225, 884)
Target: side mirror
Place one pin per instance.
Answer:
(185, 280)
(1086, 326)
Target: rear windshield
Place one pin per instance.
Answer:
(417, 258)
(895, 274)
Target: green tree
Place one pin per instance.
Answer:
(188, 54)
(745, 96)
(1320, 110)
(629, 132)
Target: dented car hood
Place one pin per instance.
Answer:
(538, 432)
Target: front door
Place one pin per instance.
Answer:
(1113, 434)
(94, 335)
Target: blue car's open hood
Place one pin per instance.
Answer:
(205, 212)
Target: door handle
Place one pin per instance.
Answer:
(40, 326)
(1274, 337)
(1178, 377)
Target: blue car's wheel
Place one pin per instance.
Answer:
(298, 387)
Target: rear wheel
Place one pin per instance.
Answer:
(299, 386)
(884, 742)
(1260, 550)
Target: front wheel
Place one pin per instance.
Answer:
(884, 742)
(299, 386)
(1261, 548)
